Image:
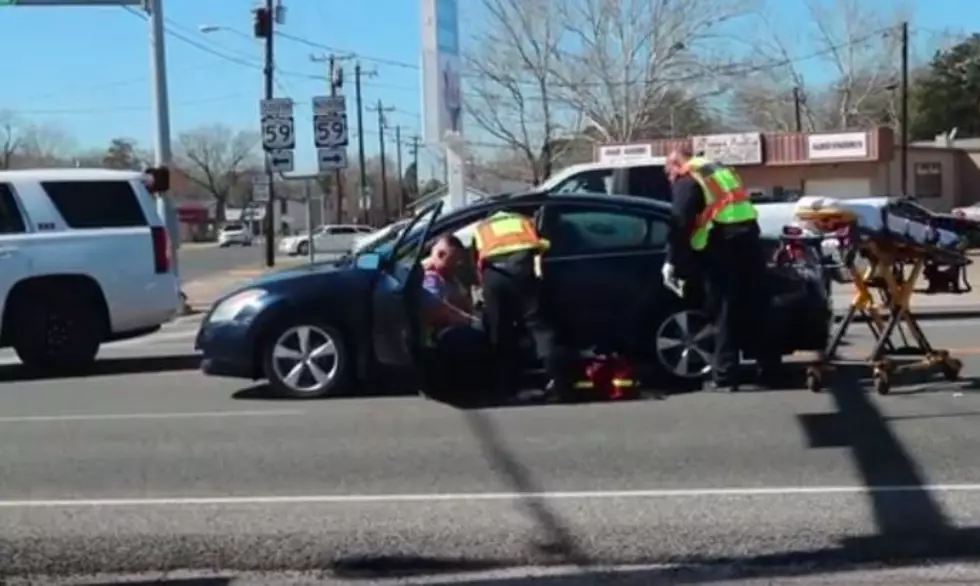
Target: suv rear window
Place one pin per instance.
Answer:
(233, 228)
(96, 204)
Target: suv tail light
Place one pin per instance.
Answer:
(161, 250)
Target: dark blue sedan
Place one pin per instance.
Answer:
(318, 330)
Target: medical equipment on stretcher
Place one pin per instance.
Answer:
(898, 239)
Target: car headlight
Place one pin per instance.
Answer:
(229, 309)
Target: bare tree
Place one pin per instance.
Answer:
(511, 83)
(623, 62)
(10, 138)
(45, 145)
(216, 159)
(859, 46)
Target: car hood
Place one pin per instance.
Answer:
(319, 279)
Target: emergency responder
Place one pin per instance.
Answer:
(509, 250)
(715, 238)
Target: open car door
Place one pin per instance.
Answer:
(397, 328)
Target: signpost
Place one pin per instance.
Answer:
(330, 132)
(278, 134)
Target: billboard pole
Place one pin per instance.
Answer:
(442, 105)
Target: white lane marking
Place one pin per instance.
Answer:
(140, 416)
(486, 496)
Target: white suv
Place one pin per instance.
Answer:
(84, 259)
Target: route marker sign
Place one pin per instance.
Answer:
(278, 133)
(331, 134)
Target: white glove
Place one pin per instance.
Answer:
(670, 279)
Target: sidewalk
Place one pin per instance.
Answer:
(202, 293)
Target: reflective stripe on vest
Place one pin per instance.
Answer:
(726, 201)
(505, 233)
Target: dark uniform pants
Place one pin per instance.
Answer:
(512, 297)
(734, 274)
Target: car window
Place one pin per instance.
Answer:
(96, 204)
(364, 229)
(11, 222)
(233, 228)
(649, 181)
(598, 181)
(341, 230)
(585, 231)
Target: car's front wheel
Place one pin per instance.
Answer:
(306, 359)
(683, 346)
(303, 248)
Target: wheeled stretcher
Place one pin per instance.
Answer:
(885, 245)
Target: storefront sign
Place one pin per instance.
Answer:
(849, 145)
(625, 152)
(730, 149)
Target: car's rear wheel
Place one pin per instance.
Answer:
(683, 346)
(305, 360)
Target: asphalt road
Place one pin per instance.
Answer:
(137, 472)
(203, 261)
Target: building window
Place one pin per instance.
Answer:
(928, 180)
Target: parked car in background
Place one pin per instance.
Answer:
(237, 234)
(84, 259)
(328, 239)
(970, 212)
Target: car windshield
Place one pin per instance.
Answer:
(234, 228)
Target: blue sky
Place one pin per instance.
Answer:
(86, 69)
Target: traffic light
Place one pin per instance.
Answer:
(157, 179)
(263, 23)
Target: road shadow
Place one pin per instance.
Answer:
(107, 367)
(911, 526)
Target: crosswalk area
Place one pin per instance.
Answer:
(173, 339)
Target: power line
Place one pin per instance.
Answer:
(728, 70)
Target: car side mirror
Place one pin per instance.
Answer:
(368, 261)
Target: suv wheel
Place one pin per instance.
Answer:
(57, 334)
(683, 345)
(306, 360)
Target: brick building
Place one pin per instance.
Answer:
(841, 164)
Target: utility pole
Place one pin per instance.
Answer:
(335, 75)
(401, 179)
(265, 29)
(414, 150)
(904, 135)
(361, 164)
(380, 109)
(797, 109)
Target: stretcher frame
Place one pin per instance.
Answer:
(895, 268)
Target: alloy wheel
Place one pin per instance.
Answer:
(685, 342)
(305, 359)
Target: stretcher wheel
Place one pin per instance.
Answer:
(882, 384)
(814, 382)
(951, 369)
